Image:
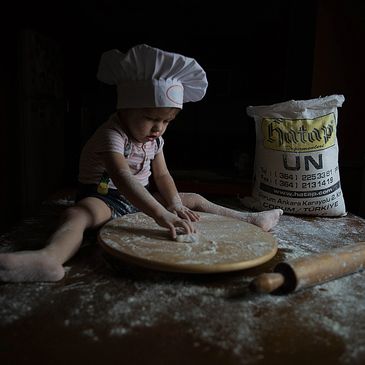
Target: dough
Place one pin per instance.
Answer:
(188, 238)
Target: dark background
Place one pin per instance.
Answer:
(255, 53)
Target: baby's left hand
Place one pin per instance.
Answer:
(184, 212)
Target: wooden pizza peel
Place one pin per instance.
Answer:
(224, 244)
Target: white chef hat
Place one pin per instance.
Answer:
(148, 77)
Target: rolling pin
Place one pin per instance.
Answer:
(310, 270)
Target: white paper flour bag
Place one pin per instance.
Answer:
(296, 158)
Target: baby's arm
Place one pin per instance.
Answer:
(167, 188)
(118, 170)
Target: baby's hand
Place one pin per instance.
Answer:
(183, 212)
(172, 221)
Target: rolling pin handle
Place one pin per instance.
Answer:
(267, 283)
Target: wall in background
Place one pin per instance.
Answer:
(35, 155)
(267, 53)
(338, 68)
(41, 104)
(260, 54)
(10, 182)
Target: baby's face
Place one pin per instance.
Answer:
(147, 124)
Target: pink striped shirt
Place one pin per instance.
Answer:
(109, 137)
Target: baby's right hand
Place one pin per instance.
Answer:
(171, 221)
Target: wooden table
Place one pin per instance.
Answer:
(104, 312)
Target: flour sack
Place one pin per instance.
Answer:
(296, 159)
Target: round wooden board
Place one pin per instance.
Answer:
(225, 244)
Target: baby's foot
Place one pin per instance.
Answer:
(266, 219)
(28, 266)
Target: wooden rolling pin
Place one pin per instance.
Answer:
(312, 269)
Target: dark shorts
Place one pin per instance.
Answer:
(117, 203)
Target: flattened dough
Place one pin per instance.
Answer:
(188, 238)
(224, 244)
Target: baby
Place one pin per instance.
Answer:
(117, 163)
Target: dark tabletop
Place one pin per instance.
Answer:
(107, 312)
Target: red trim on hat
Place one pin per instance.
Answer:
(168, 97)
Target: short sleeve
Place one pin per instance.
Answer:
(159, 145)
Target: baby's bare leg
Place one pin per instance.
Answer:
(266, 219)
(46, 264)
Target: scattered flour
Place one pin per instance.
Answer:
(217, 311)
(212, 315)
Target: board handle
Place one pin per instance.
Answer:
(267, 283)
